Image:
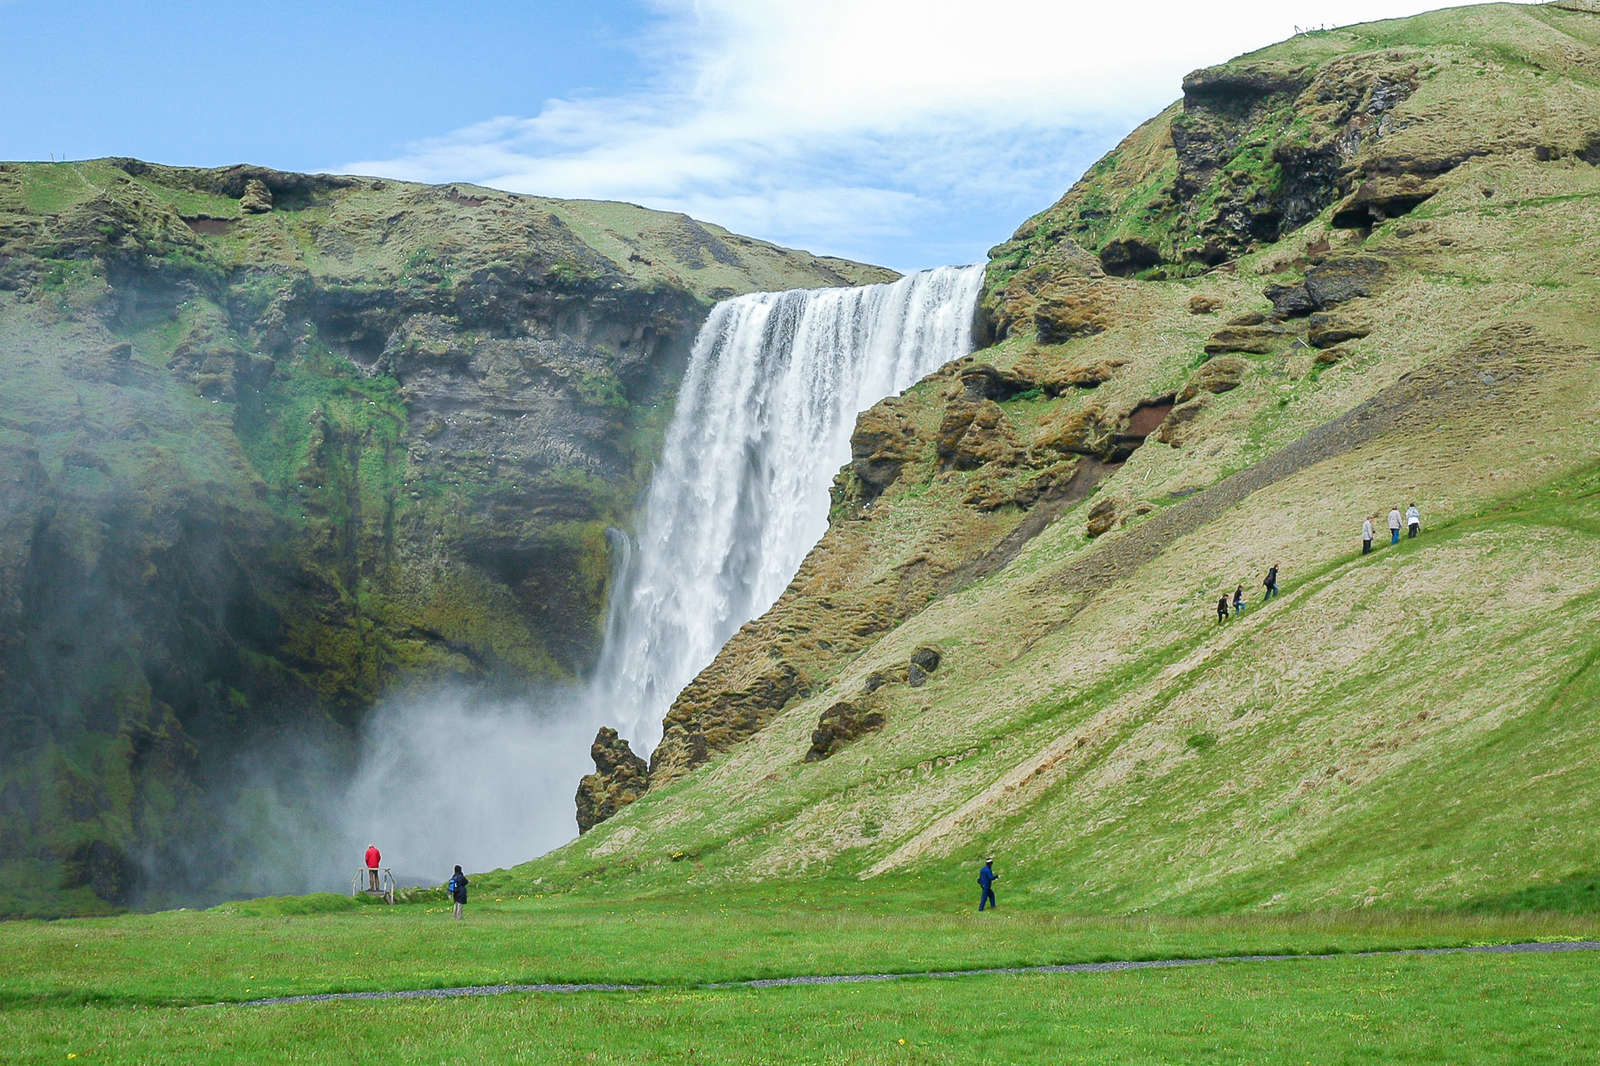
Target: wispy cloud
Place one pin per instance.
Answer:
(893, 130)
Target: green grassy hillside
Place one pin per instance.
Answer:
(1407, 729)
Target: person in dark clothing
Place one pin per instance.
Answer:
(986, 880)
(1271, 582)
(1222, 609)
(458, 889)
(1238, 599)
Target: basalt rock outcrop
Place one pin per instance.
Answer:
(619, 778)
(1343, 279)
(1103, 515)
(1214, 376)
(1327, 284)
(839, 725)
(1054, 376)
(1255, 339)
(1255, 149)
(1326, 330)
(849, 720)
(883, 441)
(972, 435)
(1075, 311)
(1382, 197)
(275, 444)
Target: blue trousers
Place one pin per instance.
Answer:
(1394, 536)
(987, 898)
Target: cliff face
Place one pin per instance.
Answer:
(1264, 144)
(274, 443)
(1341, 271)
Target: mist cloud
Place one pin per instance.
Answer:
(434, 779)
(449, 779)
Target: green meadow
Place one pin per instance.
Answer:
(271, 948)
(172, 986)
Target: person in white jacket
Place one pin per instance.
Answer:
(1366, 536)
(1394, 526)
(1413, 520)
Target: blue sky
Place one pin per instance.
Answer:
(902, 132)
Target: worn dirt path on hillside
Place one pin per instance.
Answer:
(1115, 966)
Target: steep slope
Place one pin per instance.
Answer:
(1344, 273)
(274, 443)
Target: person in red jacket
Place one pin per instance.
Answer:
(373, 858)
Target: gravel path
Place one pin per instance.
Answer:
(858, 978)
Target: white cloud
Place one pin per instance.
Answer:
(854, 126)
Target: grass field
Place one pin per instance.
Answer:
(280, 947)
(1457, 1009)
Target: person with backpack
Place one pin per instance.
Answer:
(986, 880)
(1222, 609)
(458, 889)
(1271, 582)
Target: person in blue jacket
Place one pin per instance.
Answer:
(986, 879)
(457, 888)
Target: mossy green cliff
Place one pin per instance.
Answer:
(273, 444)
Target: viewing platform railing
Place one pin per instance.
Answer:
(362, 885)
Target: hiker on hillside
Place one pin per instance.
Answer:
(458, 889)
(1271, 582)
(986, 880)
(1222, 609)
(1238, 599)
(374, 857)
(1413, 520)
(1366, 536)
(1394, 525)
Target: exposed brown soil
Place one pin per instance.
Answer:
(1146, 417)
(207, 226)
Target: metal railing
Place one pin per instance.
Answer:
(362, 884)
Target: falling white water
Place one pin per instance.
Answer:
(740, 494)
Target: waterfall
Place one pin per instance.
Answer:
(740, 494)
